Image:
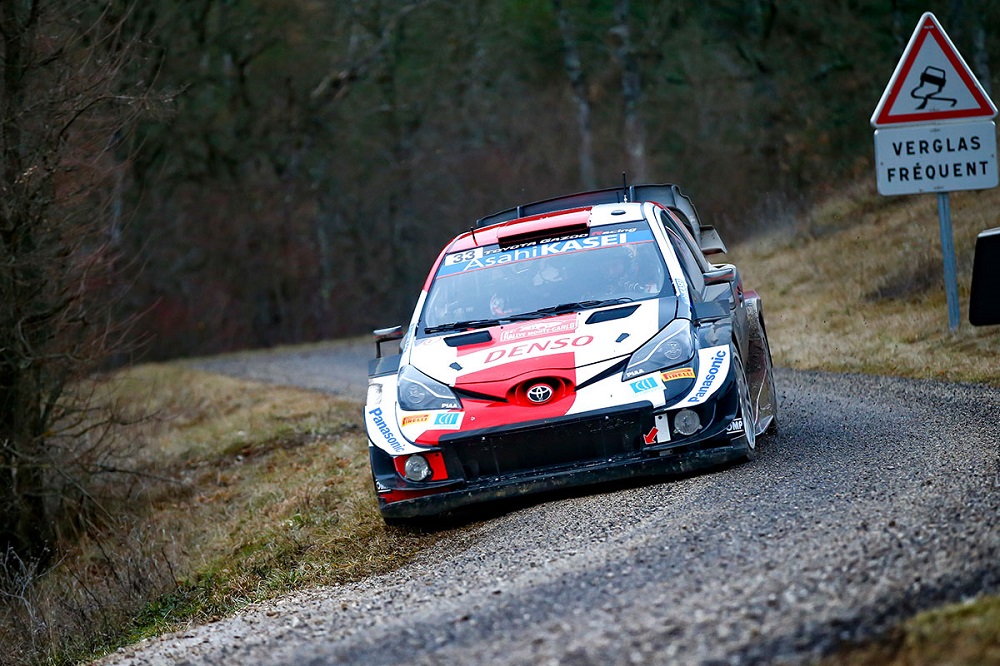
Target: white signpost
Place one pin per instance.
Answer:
(936, 158)
(935, 133)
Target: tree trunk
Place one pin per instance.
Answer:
(980, 58)
(55, 184)
(22, 512)
(578, 85)
(635, 129)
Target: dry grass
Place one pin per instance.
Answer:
(959, 634)
(858, 287)
(243, 492)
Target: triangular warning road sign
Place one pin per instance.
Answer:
(932, 83)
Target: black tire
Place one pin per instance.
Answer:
(772, 427)
(747, 442)
(760, 373)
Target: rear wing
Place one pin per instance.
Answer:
(667, 195)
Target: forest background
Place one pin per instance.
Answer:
(190, 177)
(310, 158)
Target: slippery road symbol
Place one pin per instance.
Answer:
(932, 81)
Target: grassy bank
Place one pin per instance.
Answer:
(858, 286)
(960, 634)
(240, 492)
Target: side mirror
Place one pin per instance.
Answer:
(721, 275)
(984, 306)
(386, 335)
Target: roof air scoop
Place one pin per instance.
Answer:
(548, 232)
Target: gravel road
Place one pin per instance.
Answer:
(878, 498)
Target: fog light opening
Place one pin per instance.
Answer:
(417, 468)
(687, 422)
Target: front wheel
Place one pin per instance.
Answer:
(770, 409)
(748, 440)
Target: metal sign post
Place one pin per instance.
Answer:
(948, 250)
(934, 132)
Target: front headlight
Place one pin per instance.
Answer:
(672, 346)
(419, 392)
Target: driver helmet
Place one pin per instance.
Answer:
(618, 262)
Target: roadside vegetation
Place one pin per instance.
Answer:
(964, 633)
(857, 285)
(242, 492)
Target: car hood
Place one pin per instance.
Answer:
(490, 360)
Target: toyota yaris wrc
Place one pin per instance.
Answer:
(569, 341)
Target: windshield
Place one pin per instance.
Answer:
(611, 263)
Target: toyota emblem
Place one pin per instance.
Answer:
(540, 393)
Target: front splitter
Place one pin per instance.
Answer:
(592, 473)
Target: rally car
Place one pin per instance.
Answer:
(569, 341)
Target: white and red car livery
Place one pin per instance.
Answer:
(570, 341)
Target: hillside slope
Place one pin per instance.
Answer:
(858, 286)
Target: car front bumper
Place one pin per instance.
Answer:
(561, 453)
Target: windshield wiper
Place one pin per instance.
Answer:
(581, 305)
(462, 325)
(481, 323)
(574, 306)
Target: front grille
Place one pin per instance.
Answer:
(535, 449)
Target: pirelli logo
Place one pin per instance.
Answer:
(682, 373)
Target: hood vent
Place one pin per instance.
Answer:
(474, 338)
(611, 315)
